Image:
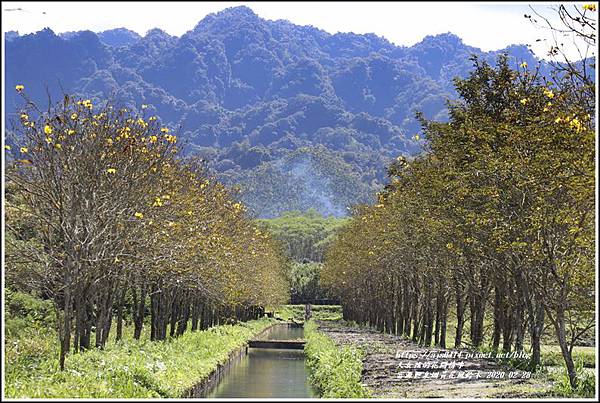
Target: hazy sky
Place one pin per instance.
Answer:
(489, 26)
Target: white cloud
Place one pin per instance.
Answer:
(488, 26)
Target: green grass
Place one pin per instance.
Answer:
(586, 382)
(551, 356)
(335, 371)
(130, 368)
(319, 312)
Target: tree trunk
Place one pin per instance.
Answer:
(498, 316)
(559, 327)
(65, 335)
(139, 307)
(460, 312)
(182, 325)
(444, 322)
(121, 303)
(195, 314)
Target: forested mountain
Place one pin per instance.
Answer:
(260, 99)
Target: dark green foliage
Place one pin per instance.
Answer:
(23, 310)
(304, 282)
(304, 236)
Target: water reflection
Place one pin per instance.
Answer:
(268, 372)
(284, 332)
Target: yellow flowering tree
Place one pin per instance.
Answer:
(121, 217)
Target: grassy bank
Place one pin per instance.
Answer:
(129, 368)
(334, 371)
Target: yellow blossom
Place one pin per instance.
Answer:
(58, 146)
(576, 124)
(111, 170)
(589, 7)
(153, 139)
(139, 215)
(109, 141)
(49, 140)
(19, 87)
(24, 150)
(73, 116)
(71, 131)
(548, 92)
(524, 101)
(47, 129)
(558, 120)
(7, 147)
(24, 116)
(524, 65)
(164, 130)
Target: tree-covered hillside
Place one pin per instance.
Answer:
(248, 92)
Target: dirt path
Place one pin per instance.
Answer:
(390, 359)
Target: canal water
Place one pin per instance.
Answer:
(268, 372)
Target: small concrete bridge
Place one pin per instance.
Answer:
(296, 344)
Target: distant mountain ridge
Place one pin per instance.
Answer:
(249, 92)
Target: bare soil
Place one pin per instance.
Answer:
(386, 359)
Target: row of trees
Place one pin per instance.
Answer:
(105, 218)
(495, 221)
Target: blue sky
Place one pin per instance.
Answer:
(489, 26)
